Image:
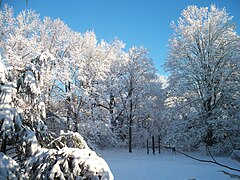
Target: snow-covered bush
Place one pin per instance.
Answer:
(9, 168)
(10, 118)
(65, 163)
(191, 134)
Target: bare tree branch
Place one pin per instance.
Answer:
(209, 161)
(231, 175)
(238, 158)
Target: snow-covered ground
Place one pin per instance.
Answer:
(165, 166)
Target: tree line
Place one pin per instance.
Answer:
(53, 78)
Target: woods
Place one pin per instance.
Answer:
(56, 83)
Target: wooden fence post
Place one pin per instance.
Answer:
(153, 147)
(159, 144)
(147, 148)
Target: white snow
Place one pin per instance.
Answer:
(31, 81)
(65, 163)
(70, 162)
(9, 169)
(2, 71)
(7, 112)
(32, 140)
(167, 166)
(42, 109)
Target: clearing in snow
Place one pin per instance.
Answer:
(166, 166)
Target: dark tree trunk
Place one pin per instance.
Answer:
(153, 145)
(111, 107)
(130, 138)
(209, 138)
(69, 110)
(4, 145)
(159, 145)
(130, 129)
(130, 118)
(147, 148)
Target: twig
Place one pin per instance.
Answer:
(231, 175)
(208, 161)
(238, 158)
(211, 155)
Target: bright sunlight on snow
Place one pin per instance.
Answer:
(166, 166)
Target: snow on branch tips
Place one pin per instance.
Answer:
(9, 168)
(68, 163)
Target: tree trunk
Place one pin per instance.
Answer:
(153, 145)
(68, 101)
(111, 107)
(130, 118)
(130, 127)
(130, 137)
(4, 145)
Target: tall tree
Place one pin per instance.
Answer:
(138, 71)
(204, 65)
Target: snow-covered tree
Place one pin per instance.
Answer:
(204, 84)
(55, 77)
(27, 78)
(137, 72)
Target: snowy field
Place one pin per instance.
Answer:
(164, 166)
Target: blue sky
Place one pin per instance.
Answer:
(136, 22)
